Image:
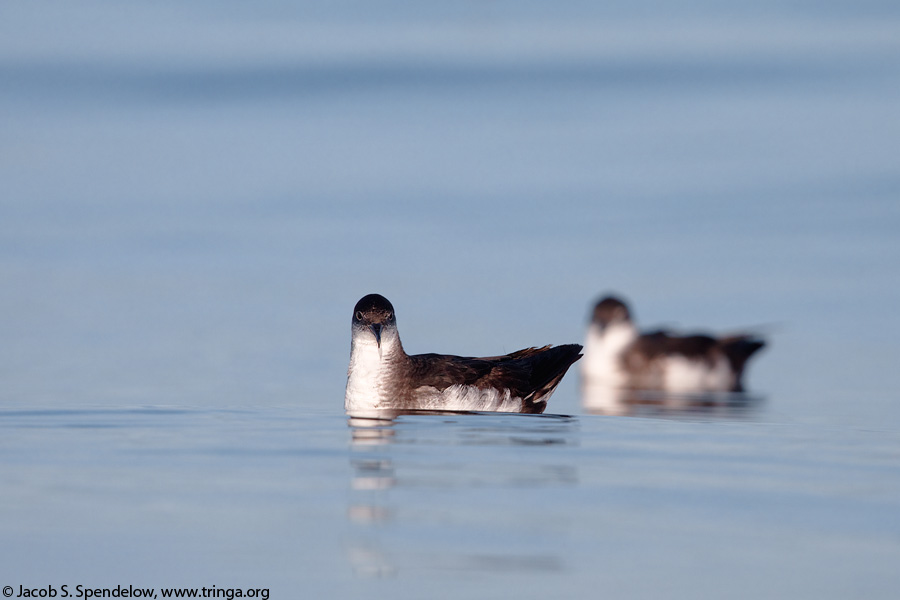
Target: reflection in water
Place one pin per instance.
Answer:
(406, 480)
(373, 474)
(607, 400)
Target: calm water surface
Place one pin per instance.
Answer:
(195, 196)
(483, 505)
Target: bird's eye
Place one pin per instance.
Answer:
(390, 315)
(359, 315)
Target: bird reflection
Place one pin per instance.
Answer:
(601, 399)
(399, 458)
(372, 428)
(373, 472)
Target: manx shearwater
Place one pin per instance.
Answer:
(616, 354)
(383, 376)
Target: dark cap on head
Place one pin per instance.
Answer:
(373, 308)
(610, 310)
(375, 313)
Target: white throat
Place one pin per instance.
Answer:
(603, 350)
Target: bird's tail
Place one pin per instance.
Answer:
(738, 349)
(549, 366)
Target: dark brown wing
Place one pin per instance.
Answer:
(661, 343)
(642, 354)
(443, 370)
(524, 353)
(529, 374)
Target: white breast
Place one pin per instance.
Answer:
(366, 376)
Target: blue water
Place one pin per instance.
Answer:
(194, 197)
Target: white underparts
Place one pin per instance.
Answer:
(467, 398)
(684, 375)
(603, 351)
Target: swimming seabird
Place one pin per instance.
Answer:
(616, 354)
(383, 376)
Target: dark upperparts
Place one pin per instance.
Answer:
(657, 343)
(737, 349)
